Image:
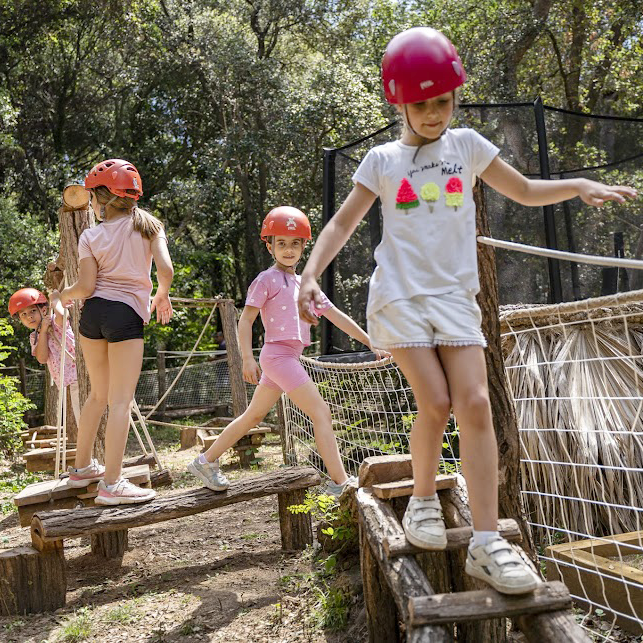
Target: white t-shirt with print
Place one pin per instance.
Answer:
(428, 242)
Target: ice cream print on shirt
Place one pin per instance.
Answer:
(430, 192)
(406, 197)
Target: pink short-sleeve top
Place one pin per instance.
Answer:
(124, 258)
(275, 293)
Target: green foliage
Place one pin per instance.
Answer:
(332, 608)
(78, 628)
(12, 403)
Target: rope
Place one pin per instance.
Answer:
(187, 361)
(637, 264)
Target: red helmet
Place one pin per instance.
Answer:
(418, 64)
(118, 176)
(24, 298)
(284, 221)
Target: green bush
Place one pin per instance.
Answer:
(12, 403)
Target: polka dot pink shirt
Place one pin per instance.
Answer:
(275, 292)
(54, 344)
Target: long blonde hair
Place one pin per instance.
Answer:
(144, 222)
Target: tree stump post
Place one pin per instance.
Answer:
(287, 443)
(296, 528)
(161, 376)
(109, 544)
(32, 581)
(235, 363)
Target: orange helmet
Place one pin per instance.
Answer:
(285, 221)
(24, 298)
(118, 176)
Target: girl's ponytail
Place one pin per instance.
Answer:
(145, 223)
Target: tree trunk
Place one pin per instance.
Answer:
(504, 414)
(72, 224)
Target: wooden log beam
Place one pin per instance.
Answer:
(400, 488)
(32, 581)
(384, 468)
(162, 478)
(551, 627)
(403, 574)
(487, 603)
(457, 538)
(55, 525)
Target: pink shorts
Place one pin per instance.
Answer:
(280, 366)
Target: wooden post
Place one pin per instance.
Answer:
(72, 223)
(161, 379)
(296, 529)
(287, 443)
(235, 363)
(32, 581)
(381, 615)
(504, 413)
(110, 544)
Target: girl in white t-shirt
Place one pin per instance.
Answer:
(115, 259)
(421, 303)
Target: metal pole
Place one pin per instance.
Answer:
(555, 284)
(328, 276)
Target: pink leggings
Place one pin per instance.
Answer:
(280, 365)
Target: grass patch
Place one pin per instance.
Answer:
(121, 614)
(77, 628)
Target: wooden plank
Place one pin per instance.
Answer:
(44, 459)
(384, 468)
(457, 538)
(55, 489)
(398, 488)
(44, 430)
(54, 525)
(608, 546)
(403, 575)
(46, 443)
(477, 605)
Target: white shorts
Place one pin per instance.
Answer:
(449, 319)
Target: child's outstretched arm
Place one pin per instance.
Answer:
(164, 273)
(85, 284)
(346, 324)
(251, 370)
(57, 307)
(535, 192)
(335, 234)
(41, 349)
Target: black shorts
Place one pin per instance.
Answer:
(110, 320)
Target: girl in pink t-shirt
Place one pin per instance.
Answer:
(274, 294)
(115, 259)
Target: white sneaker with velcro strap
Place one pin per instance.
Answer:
(423, 523)
(499, 565)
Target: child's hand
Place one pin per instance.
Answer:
(251, 371)
(45, 323)
(308, 292)
(163, 306)
(594, 193)
(379, 352)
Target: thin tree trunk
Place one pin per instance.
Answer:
(504, 414)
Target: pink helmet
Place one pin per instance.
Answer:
(118, 176)
(24, 298)
(418, 64)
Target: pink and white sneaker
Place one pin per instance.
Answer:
(93, 472)
(122, 492)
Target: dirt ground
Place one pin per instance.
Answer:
(215, 576)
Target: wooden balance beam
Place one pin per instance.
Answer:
(107, 527)
(397, 587)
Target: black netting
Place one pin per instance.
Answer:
(605, 149)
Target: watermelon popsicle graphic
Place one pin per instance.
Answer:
(430, 192)
(453, 189)
(406, 197)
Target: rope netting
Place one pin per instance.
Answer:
(575, 372)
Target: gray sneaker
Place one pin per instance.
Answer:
(336, 490)
(209, 474)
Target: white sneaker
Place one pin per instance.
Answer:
(423, 524)
(499, 565)
(122, 492)
(336, 490)
(93, 472)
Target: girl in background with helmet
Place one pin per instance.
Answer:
(274, 294)
(114, 282)
(421, 303)
(46, 340)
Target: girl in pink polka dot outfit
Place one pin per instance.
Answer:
(274, 294)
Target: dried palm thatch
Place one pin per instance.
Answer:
(577, 379)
